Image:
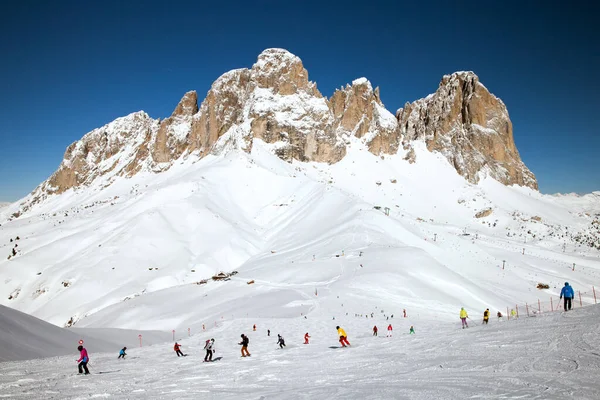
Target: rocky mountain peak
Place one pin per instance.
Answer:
(275, 101)
(470, 127)
(282, 72)
(188, 105)
(359, 112)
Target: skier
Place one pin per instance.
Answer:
(404, 311)
(463, 317)
(122, 353)
(268, 332)
(389, 333)
(83, 360)
(412, 331)
(343, 336)
(177, 349)
(375, 330)
(568, 293)
(254, 328)
(486, 316)
(245, 341)
(513, 313)
(209, 350)
(306, 337)
(499, 315)
(280, 341)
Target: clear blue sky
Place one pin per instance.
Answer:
(69, 67)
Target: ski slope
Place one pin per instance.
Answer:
(552, 356)
(128, 255)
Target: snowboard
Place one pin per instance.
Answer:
(214, 359)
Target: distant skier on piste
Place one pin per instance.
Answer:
(568, 293)
(122, 353)
(486, 316)
(389, 330)
(209, 347)
(343, 336)
(463, 317)
(499, 315)
(177, 348)
(83, 360)
(375, 330)
(244, 343)
(411, 331)
(280, 341)
(306, 337)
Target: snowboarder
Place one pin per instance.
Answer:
(268, 332)
(122, 353)
(389, 332)
(343, 336)
(375, 330)
(83, 360)
(306, 337)
(568, 293)
(177, 348)
(245, 341)
(412, 331)
(486, 316)
(209, 350)
(499, 315)
(463, 317)
(280, 341)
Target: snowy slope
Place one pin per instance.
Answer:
(553, 356)
(24, 337)
(129, 255)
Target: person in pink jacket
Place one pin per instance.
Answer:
(83, 360)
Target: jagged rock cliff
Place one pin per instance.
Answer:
(470, 126)
(275, 101)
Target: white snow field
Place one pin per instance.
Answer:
(552, 356)
(316, 241)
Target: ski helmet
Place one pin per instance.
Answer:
(80, 348)
(566, 283)
(337, 327)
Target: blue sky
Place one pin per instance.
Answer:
(69, 67)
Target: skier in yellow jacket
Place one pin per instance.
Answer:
(463, 317)
(343, 336)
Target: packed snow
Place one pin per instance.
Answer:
(552, 356)
(293, 240)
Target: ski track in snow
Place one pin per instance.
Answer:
(553, 356)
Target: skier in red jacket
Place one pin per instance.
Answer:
(389, 330)
(306, 337)
(375, 330)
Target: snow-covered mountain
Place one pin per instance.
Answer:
(274, 101)
(312, 202)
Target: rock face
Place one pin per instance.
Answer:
(359, 112)
(274, 101)
(470, 126)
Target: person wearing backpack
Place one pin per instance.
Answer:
(245, 341)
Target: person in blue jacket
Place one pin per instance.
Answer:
(122, 353)
(568, 293)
